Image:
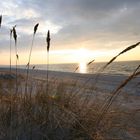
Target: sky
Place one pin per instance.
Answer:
(81, 30)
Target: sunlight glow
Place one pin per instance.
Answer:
(82, 67)
(81, 56)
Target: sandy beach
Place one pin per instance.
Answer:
(77, 94)
(105, 83)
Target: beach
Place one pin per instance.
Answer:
(104, 84)
(72, 96)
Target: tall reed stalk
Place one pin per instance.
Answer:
(48, 48)
(11, 100)
(29, 59)
(15, 38)
(10, 47)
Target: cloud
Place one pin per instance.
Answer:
(94, 24)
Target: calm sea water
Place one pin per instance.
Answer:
(124, 68)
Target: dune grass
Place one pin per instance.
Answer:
(60, 114)
(29, 59)
(16, 53)
(10, 47)
(69, 110)
(48, 49)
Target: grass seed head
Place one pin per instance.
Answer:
(11, 31)
(48, 40)
(35, 28)
(17, 56)
(0, 20)
(14, 34)
(124, 51)
(90, 62)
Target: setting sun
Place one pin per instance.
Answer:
(82, 67)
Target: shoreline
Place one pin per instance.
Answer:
(117, 68)
(105, 81)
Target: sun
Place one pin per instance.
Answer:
(82, 67)
(82, 55)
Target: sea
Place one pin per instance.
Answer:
(120, 68)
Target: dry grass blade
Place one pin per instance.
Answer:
(129, 48)
(10, 47)
(0, 20)
(48, 48)
(27, 65)
(35, 28)
(76, 69)
(15, 34)
(48, 40)
(125, 50)
(11, 33)
(110, 61)
(114, 94)
(17, 56)
(90, 62)
(15, 38)
(33, 67)
(138, 73)
(30, 53)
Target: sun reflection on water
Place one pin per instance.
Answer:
(82, 67)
